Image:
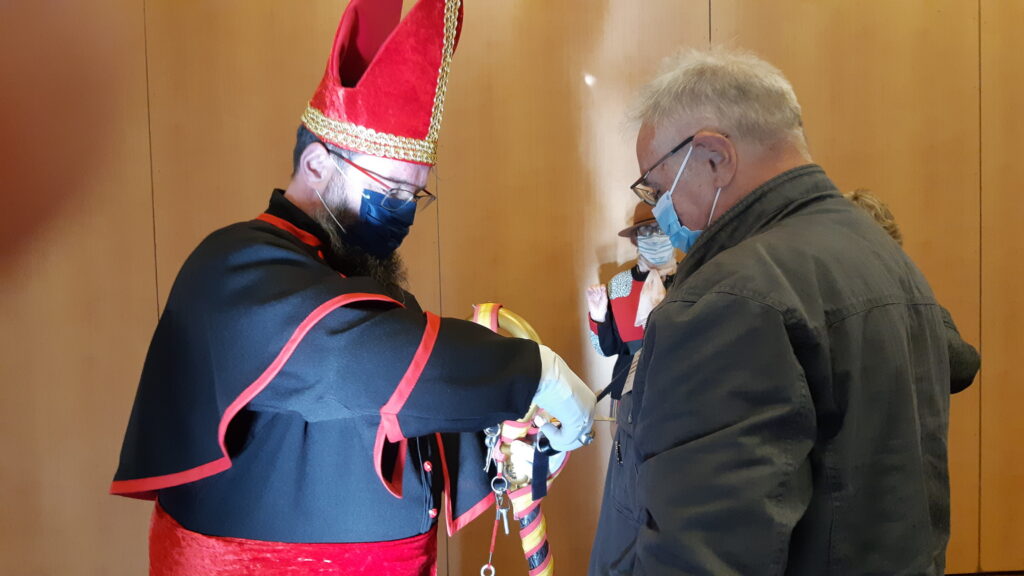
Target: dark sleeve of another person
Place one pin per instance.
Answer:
(964, 360)
(608, 335)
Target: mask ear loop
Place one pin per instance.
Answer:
(680, 173)
(713, 206)
(329, 211)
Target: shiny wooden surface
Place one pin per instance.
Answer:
(536, 162)
(1002, 310)
(77, 289)
(889, 92)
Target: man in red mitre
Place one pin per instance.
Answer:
(298, 413)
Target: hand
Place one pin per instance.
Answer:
(567, 398)
(597, 302)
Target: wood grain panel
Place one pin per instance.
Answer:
(1002, 311)
(536, 161)
(889, 92)
(77, 282)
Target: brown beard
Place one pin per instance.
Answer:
(351, 260)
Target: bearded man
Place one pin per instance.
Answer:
(298, 412)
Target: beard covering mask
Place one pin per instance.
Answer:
(347, 257)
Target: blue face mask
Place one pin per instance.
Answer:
(665, 213)
(656, 248)
(380, 231)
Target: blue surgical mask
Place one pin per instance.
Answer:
(380, 231)
(665, 213)
(656, 248)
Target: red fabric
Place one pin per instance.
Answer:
(624, 312)
(383, 74)
(175, 551)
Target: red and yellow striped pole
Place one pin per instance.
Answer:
(533, 531)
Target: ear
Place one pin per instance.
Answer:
(720, 153)
(316, 166)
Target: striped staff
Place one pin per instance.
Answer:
(519, 438)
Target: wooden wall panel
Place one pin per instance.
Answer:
(890, 98)
(535, 168)
(225, 104)
(1002, 311)
(77, 287)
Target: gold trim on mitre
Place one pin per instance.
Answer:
(367, 140)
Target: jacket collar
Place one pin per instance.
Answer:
(282, 208)
(770, 202)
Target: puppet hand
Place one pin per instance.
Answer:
(597, 302)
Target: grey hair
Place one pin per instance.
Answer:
(741, 93)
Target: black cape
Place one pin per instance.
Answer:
(283, 401)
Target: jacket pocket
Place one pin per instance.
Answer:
(622, 469)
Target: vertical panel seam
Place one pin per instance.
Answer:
(709, 23)
(981, 285)
(152, 176)
(437, 231)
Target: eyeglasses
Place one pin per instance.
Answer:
(647, 230)
(645, 191)
(395, 196)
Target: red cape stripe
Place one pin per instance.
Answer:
(456, 524)
(389, 428)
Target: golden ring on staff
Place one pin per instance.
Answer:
(516, 436)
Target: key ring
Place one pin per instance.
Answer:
(502, 484)
(487, 570)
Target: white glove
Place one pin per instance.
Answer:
(567, 398)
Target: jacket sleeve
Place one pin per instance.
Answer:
(724, 428)
(327, 347)
(964, 360)
(367, 358)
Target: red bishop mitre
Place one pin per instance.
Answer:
(383, 91)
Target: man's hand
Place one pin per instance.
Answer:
(597, 302)
(567, 398)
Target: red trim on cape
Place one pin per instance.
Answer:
(150, 484)
(303, 236)
(389, 428)
(451, 523)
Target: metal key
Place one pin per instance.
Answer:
(503, 513)
(499, 484)
(491, 441)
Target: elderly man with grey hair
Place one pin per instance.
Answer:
(788, 411)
